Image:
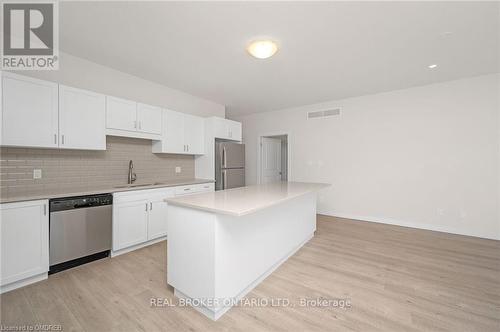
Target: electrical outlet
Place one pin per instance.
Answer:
(37, 174)
(178, 169)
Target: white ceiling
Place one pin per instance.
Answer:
(328, 50)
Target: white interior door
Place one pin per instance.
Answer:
(270, 160)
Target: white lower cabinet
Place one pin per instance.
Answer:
(140, 216)
(24, 236)
(130, 223)
(157, 221)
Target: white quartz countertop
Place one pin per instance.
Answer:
(245, 200)
(102, 190)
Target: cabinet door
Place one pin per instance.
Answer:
(194, 134)
(29, 112)
(234, 130)
(157, 223)
(173, 136)
(130, 224)
(149, 119)
(24, 236)
(121, 114)
(82, 119)
(221, 129)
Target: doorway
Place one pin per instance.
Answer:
(273, 158)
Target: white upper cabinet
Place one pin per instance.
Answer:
(226, 129)
(81, 119)
(29, 112)
(194, 133)
(173, 137)
(131, 119)
(234, 130)
(121, 114)
(149, 119)
(182, 134)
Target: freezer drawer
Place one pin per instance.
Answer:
(233, 178)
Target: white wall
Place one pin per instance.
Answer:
(425, 157)
(81, 73)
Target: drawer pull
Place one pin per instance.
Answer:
(187, 189)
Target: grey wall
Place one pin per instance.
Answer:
(77, 170)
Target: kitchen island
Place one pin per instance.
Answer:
(222, 244)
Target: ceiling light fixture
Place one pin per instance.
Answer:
(262, 49)
(433, 66)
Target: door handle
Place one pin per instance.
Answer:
(45, 209)
(224, 161)
(146, 206)
(224, 179)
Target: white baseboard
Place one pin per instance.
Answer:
(428, 227)
(137, 246)
(24, 282)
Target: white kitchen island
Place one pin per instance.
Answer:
(222, 244)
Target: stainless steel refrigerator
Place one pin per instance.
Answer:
(229, 165)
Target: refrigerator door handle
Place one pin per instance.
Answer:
(224, 179)
(224, 160)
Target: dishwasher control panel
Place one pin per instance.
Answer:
(69, 203)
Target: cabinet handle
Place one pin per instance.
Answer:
(150, 206)
(139, 124)
(62, 139)
(187, 147)
(187, 189)
(135, 124)
(146, 206)
(55, 138)
(45, 209)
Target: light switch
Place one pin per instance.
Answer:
(37, 174)
(178, 169)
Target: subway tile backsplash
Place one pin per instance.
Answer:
(78, 170)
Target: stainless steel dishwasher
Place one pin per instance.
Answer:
(80, 230)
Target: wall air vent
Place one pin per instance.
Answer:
(323, 114)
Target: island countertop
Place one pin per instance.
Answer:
(244, 200)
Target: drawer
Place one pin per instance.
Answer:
(185, 190)
(204, 187)
(139, 195)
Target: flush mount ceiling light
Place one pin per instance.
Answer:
(262, 49)
(433, 66)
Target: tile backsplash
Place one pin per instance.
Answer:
(78, 170)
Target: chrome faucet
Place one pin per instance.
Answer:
(131, 175)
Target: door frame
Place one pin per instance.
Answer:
(259, 152)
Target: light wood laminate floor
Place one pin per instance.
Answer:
(397, 279)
